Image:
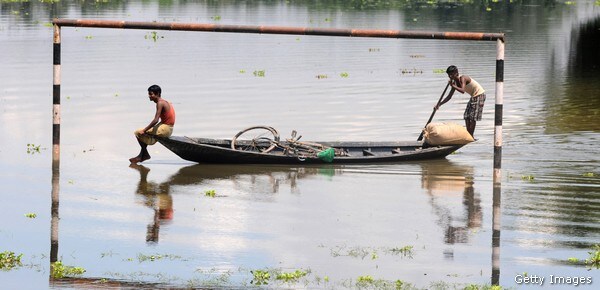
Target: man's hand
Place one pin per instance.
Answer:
(141, 131)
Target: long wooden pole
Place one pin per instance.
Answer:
(433, 113)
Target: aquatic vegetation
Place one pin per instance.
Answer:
(570, 2)
(59, 270)
(259, 73)
(573, 261)
(528, 177)
(321, 76)
(33, 149)
(210, 193)
(417, 56)
(153, 35)
(260, 277)
(483, 287)
(48, 24)
(291, 276)
(9, 261)
(414, 71)
(589, 174)
(327, 19)
(344, 75)
(406, 251)
(216, 17)
(88, 37)
(374, 49)
(31, 215)
(242, 71)
(439, 71)
(143, 258)
(593, 261)
(364, 281)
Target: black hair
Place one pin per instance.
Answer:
(451, 69)
(155, 89)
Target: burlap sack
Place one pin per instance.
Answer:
(446, 134)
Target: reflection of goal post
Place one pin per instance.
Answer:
(498, 37)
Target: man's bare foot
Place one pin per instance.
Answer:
(135, 160)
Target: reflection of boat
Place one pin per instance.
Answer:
(204, 150)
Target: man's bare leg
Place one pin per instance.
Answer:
(143, 156)
(470, 124)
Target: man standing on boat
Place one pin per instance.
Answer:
(462, 84)
(166, 113)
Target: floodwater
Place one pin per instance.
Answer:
(429, 224)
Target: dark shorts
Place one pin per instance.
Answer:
(475, 108)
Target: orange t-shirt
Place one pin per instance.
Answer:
(169, 116)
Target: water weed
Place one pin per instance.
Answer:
(31, 215)
(259, 73)
(153, 35)
(9, 261)
(210, 193)
(291, 277)
(344, 75)
(260, 277)
(33, 149)
(59, 270)
(593, 261)
(321, 76)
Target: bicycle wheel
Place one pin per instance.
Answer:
(257, 138)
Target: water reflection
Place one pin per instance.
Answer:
(445, 182)
(158, 198)
(579, 108)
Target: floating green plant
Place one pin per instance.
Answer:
(9, 261)
(216, 17)
(48, 24)
(321, 76)
(573, 260)
(374, 49)
(439, 71)
(413, 71)
(260, 277)
(143, 258)
(406, 251)
(594, 259)
(153, 35)
(589, 174)
(242, 71)
(483, 287)
(88, 37)
(33, 149)
(327, 19)
(259, 73)
(291, 277)
(364, 281)
(59, 270)
(344, 75)
(210, 193)
(570, 2)
(31, 215)
(417, 56)
(527, 177)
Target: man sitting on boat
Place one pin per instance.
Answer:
(166, 113)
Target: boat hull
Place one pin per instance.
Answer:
(218, 151)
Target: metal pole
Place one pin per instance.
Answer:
(498, 110)
(279, 30)
(56, 100)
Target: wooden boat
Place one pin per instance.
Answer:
(218, 151)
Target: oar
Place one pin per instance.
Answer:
(433, 113)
